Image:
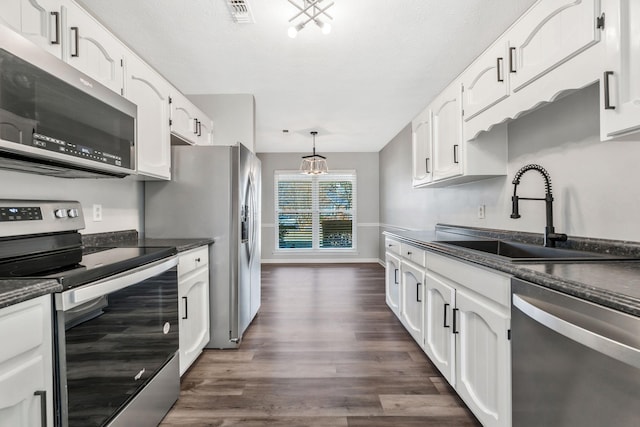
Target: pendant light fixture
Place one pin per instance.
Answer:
(310, 10)
(315, 164)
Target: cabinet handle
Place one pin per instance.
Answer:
(395, 276)
(56, 16)
(455, 154)
(499, 68)
(199, 128)
(418, 292)
(426, 163)
(197, 259)
(607, 101)
(445, 315)
(455, 322)
(186, 308)
(43, 406)
(195, 126)
(76, 37)
(512, 62)
(408, 252)
(390, 245)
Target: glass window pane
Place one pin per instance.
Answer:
(336, 230)
(295, 230)
(294, 195)
(335, 195)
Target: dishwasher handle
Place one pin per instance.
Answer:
(614, 349)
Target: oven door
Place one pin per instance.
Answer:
(112, 337)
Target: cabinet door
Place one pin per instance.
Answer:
(37, 20)
(26, 372)
(620, 83)
(446, 116)
(412, 297)
(184, 121)
(92, 49)
(194, 316)
(392, 283)
(440, 342)
(486, 81)
(483, 359)
(549, 34)
(150, 92)
(421, 143)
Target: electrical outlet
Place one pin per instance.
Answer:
(97, 213)
(480, 211)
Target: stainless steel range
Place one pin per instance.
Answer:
(116, 319)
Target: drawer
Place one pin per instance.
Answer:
(491, 284)
(192, 260)
(392, 246)
(23, 326)
(413, 254)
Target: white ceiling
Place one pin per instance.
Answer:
(358, 86)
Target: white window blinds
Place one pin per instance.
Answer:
(315, 212)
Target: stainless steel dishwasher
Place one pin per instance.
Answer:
(575, 363)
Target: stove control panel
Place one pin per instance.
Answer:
(20, 213)
(24, 217)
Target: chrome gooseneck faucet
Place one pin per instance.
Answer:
(550, 235)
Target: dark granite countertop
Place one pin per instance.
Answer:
(181, 245)
(131, 239)
(13, 291)
(614, 284)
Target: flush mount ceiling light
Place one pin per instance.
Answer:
(314, 164)
(310, 10)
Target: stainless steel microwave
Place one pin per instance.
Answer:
(55, 120)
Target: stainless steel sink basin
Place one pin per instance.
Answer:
(523, 252)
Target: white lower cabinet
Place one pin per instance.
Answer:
(483, 358)
(193, 295)
(439, 341)
(26, 365)
(412, 300)
(459, 313)
(392, 283)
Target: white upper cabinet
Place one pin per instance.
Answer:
(188, 122)
(421, 144)
(38, 20)
(620, 84)
(150, 92)
(486, 81)
(90, 48)
(549, 34)
(446, 116)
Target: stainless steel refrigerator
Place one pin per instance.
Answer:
(215, 192)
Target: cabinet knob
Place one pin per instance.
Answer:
(197, 259)
(408, 252)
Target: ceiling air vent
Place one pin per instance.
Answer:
(240, 11)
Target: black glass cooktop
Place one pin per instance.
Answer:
(78, 266)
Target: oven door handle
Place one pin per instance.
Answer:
(115, 283)
(602, 344)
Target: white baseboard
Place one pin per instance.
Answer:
(320, 261)
(382, 263)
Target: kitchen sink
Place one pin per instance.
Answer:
(523, 252)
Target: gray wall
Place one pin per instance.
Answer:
(594, 183)
(121, 199)
(366, 166)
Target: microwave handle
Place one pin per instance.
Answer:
(578, 333)
(121, 281)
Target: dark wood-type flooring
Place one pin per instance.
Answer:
(324, 350)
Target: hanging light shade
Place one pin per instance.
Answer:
(315, 164)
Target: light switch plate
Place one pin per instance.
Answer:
(480, 211)
(97, 213)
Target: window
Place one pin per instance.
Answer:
(315, 212)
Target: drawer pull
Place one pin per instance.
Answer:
(43, 406)
(408, 252)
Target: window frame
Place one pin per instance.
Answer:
(334, 175)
